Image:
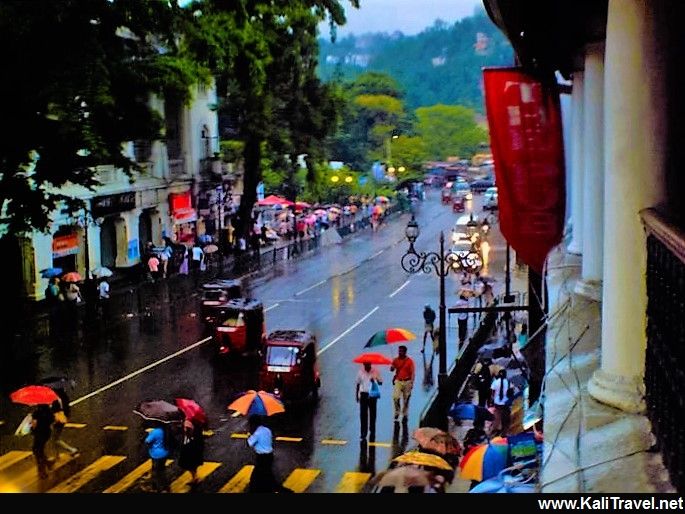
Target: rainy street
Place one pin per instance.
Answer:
(341, 293)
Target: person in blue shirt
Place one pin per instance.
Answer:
(261, 441)
(157, 443)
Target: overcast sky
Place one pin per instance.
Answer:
(407, 16)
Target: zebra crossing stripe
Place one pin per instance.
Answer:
(289, 439)
(237, 435)
(115, 427)
(300, 479)
(380, 445)
(182, 484)
(338, 442)
(239, 482)
(75, 482)
(130, 479)
(11, 458)
(352, 482)
(75, 425)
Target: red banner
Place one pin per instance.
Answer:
(528, 150)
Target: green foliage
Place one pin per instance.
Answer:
(449, 130)
(78, 77)
(442, 64)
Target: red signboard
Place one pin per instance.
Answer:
(64, 245)
(181, 208)
(527, 147)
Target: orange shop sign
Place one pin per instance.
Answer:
(64, 245)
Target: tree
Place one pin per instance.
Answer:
(77, 80)
(449, 130)
(264, 53)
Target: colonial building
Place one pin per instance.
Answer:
(122, 216)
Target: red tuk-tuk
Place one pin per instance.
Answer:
(446, 195)
(240, 328)
(458, 204)
(215, 294)
(289, 368)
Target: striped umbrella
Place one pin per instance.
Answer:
(484, 461)
(258, 403)
(390, 336)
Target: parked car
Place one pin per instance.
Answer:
(481, 185)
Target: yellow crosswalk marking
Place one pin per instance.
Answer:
(11, 458)
(236, 414)
(339, 442)
(300, 479)
(208, 433)
(130, 479)
(380, 445)
(75, 425)
(115, 427)
(26, 481)
(237, 435)
(352, 482)
(239, 482)
(1, 422)
(84, 476)
(289, 439)
(182, 483)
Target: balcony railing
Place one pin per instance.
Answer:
(665, 358)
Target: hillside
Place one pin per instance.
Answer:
(442, 64)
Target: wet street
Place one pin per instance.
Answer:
(342, 293)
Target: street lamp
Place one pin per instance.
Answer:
(348, 179)
(335, 178)
(441, 262)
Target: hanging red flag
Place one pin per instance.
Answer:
(527, 148)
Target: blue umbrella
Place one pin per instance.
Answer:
(469, 411)
(51, 272)
(503, 483)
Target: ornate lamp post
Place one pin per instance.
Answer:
(441, 263)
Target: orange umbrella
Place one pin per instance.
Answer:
(372, 358)
(72, 276)
(257, 402)
(423, 459)
(437, 440)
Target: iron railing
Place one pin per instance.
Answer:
(665, 357)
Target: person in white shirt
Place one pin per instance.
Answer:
(501, 399)
(368, 378)
(197, 256)
(103, 290)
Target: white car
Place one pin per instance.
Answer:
(490, 199)
(463, 251)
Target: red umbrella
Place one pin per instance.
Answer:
(72, 276)
(302, 205)
(274, 200)
(192, 410)
(34, 395)
(372, 358)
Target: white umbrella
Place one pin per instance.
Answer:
(102, 272)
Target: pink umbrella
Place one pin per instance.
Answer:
(192, 410)
(274, 200)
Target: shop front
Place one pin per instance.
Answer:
(65, 246)
(184, 218)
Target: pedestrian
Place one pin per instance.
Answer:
(367, 394)
(183, 269)
(261, 442)
(191, 455)
(483, 380)
(479, 288)
(153, 267)
(165, 257)
(501, 394)
(436, 343)
(54, 299)
(158, 446)
(462, 319)
(428, 326)
(60, 419)
(402, 382)
(103, 297)
(196, 258)
(41, 423)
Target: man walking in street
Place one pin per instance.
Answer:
(402, 382)
(429, 325)
(462, 319)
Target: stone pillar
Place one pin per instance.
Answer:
(634, 120)
(590, 284)
(576, 244)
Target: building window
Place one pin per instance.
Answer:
(142, 150)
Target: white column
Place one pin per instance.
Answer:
(634, 117)
(575, 246)
(590, 284)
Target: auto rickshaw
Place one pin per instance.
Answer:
(214, 295)
(240, 328)
(458, 204)
(289, 368)
(446, 195)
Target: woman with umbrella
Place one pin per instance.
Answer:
(367, 394)
(191, 455)
(41, 430)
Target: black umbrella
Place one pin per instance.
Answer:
(159, 410)
(57, 382)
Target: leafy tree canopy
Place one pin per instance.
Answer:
(449, 130)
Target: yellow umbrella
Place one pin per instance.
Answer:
(424, 459)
